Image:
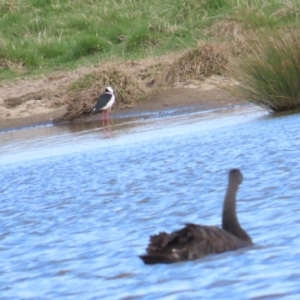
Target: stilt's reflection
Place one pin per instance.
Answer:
(107, 127)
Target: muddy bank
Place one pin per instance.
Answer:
(204, 97)
(33, 101)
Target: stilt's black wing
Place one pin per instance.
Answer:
(102, 101)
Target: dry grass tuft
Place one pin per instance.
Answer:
(290, 8)
(206, 60)
(226, 29)
(84, 92)
(10, 6)
(269, 75)
(6, 64)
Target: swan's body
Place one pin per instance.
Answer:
(195, 241)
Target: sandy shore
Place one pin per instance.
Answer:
(33, 110)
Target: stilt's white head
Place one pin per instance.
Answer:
(109, 90)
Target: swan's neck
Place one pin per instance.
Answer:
(230, 221)
(229, 208)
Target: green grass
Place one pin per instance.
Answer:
(42, 36)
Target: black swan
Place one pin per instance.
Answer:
(196, 241)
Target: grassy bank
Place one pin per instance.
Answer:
(41, 36)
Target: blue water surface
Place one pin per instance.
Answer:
(78, 206)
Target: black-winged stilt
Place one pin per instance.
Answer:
(105, 103)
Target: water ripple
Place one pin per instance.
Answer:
(78, 209)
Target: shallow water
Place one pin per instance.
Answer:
(78, 205)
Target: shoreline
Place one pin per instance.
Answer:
(176, 99)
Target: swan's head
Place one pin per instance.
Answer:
(109, 90)
(236, 175)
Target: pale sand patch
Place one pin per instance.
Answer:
(52, 82)
(29, 108)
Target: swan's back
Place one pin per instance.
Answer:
(189, 243)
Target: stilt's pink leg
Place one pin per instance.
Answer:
(108, 123)
(108, 116)
(102, 118)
